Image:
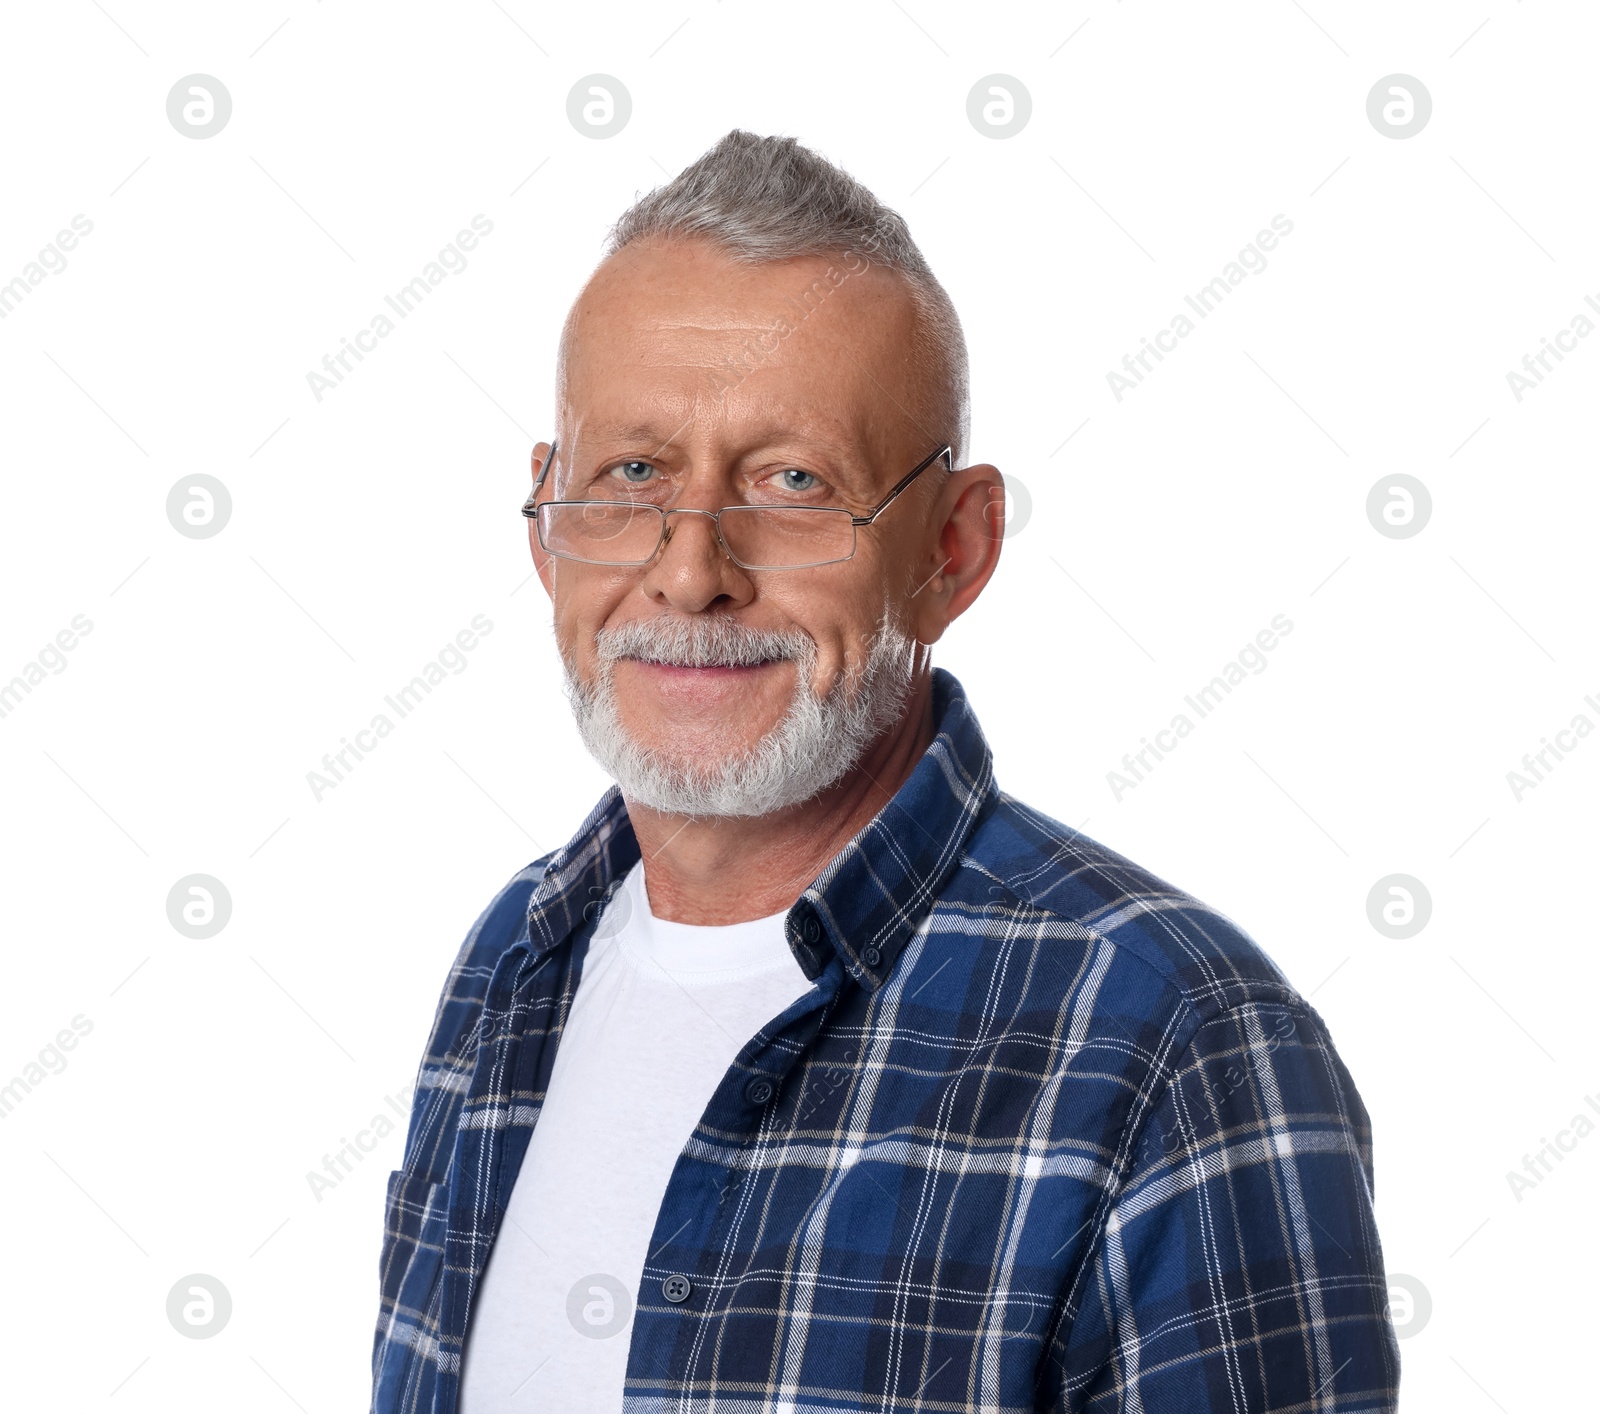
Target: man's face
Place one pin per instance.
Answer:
(692, 380)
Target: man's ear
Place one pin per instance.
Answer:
(543, 563)
(969, 527)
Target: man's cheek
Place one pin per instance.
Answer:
(837, 658)
(578, 614)
(575, 645)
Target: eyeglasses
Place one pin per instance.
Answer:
(754, 537)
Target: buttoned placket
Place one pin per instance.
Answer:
(763, 1066)
(732, 1108)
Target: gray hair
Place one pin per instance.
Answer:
(766, 199)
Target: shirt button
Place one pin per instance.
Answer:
(759, 1090)
(676, 1288)
(811, 930)
(871, 956)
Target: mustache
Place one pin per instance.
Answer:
(714, 641)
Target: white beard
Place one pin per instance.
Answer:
(818, 741)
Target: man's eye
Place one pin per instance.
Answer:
(796, 480)
(634, 473)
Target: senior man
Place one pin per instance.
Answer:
(815, 1072)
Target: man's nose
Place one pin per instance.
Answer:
(692, 571)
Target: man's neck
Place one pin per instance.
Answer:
(729, 870)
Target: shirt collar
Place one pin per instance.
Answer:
(869, 898)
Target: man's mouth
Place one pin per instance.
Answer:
(703, 667)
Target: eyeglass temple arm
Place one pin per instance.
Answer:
(528, 507)
(905, 481)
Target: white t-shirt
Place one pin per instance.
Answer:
(660, 1013)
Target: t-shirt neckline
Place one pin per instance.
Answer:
(698, 951)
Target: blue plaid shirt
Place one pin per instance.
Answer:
(1044, 1134)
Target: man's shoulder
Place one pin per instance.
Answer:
(1074, 888)
(453, 1038)
(502, 923)
(498, 928)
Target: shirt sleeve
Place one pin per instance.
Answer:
(1239, 1269)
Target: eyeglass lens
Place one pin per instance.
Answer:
(628, 533)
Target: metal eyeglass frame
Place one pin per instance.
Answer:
(532, 506)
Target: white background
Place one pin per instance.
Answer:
(368, 528)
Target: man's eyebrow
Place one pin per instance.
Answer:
(640, 439)
(641, 434)
(856, 476)
(635, 432)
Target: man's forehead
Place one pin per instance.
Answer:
(606, 426)
(693, 288)
(666, 342)
(667, 337)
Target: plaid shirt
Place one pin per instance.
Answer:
(1045, 1134)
